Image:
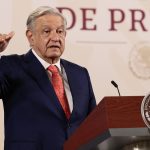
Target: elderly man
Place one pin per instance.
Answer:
(45, 97)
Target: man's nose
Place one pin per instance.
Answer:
(54, 36)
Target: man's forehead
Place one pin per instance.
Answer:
(50, 17)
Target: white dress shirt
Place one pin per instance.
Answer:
(64, 77)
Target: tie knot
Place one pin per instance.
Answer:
(53, 69)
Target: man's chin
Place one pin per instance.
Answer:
(54, 56)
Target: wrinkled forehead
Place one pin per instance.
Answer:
(49, 20)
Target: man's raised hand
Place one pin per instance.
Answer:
(4, 40)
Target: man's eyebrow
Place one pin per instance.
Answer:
(62, 26)
(46, 26)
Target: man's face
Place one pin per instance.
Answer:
(48, 37)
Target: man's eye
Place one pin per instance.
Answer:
(60, 31)
(46, 31)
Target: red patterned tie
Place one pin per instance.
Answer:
(59, 89)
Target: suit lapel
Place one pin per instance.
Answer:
(38, 73)
(72, 76)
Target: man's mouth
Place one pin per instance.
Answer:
(54, 46)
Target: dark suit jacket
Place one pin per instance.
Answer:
(34, 119)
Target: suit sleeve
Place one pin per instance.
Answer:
(4, 77)
(92, 101)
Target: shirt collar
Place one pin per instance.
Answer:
(46, 64)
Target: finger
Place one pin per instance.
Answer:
(1, 39)
(10, 35)
(6, 37)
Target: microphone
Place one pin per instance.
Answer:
(116, 86)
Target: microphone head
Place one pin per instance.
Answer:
(114, 84)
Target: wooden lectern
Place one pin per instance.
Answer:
(114, 123)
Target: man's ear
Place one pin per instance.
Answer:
(30, 38)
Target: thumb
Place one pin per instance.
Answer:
(9, 35)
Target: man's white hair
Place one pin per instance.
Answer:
(40, 11)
